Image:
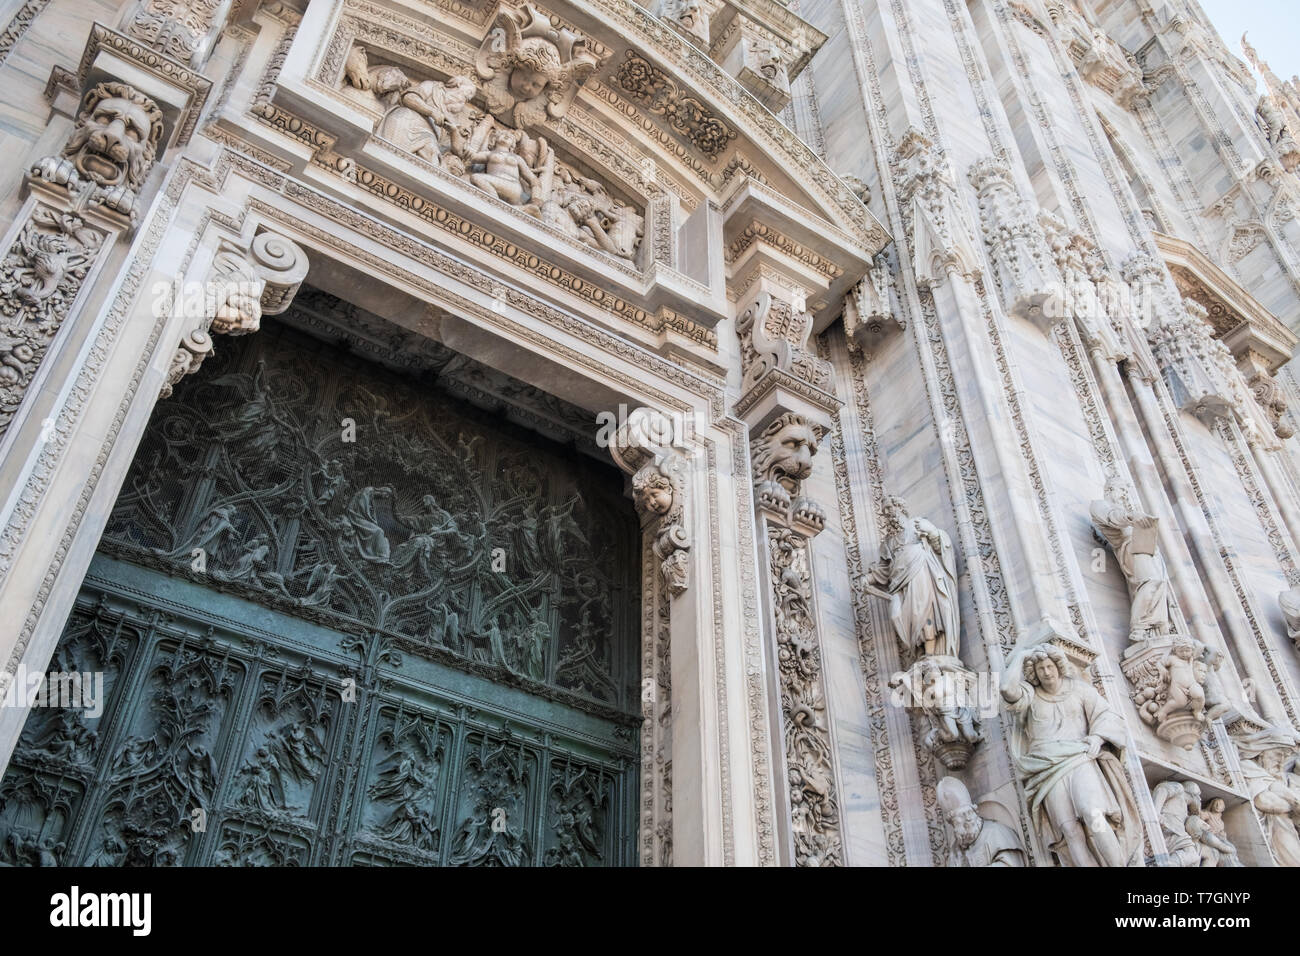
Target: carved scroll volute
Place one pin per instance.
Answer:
(242, 286)
(643, 448)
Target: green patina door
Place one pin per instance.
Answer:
(343, 619)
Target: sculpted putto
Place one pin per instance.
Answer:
(918, 570)
(531, 69)
(1061, 740)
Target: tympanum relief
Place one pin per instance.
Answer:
(490, 129)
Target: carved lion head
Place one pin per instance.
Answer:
(785, 450)
(117, 136)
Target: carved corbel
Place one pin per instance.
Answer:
(772, 334)
(869, 314)
(242, 286)
(110, 152)
(1017, 248)
(782, 459)
(642, 447)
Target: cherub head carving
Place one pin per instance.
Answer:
(117, 136)
(652, 491)
(531, 67)
(785, 450)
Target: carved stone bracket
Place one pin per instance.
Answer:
(242, 286)
(869, 314)
(782, 459)
(642, 447)
(944, 691)
(113, 146)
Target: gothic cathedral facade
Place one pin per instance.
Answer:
(647, 432)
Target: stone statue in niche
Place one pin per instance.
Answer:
(437, 121)
(919, 575)
(1216, 849)
(1063, 735)
(977, 840)
(1275, 792)
(1189, 836)
(1168, 671)
(532, 70)
(1133, 536)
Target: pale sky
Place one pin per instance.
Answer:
(1272, 26)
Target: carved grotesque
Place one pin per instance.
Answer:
(117, 136)
(977, 840)
(783, 454)
(1061, 739)
(532, 69)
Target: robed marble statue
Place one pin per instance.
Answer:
(919, 575)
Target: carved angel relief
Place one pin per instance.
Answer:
(437, 121)
(530, 67)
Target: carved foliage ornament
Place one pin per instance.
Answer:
(654, 89)
(39, 278)
(814, 806)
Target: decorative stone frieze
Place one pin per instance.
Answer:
(435, 120)
(652, 88)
